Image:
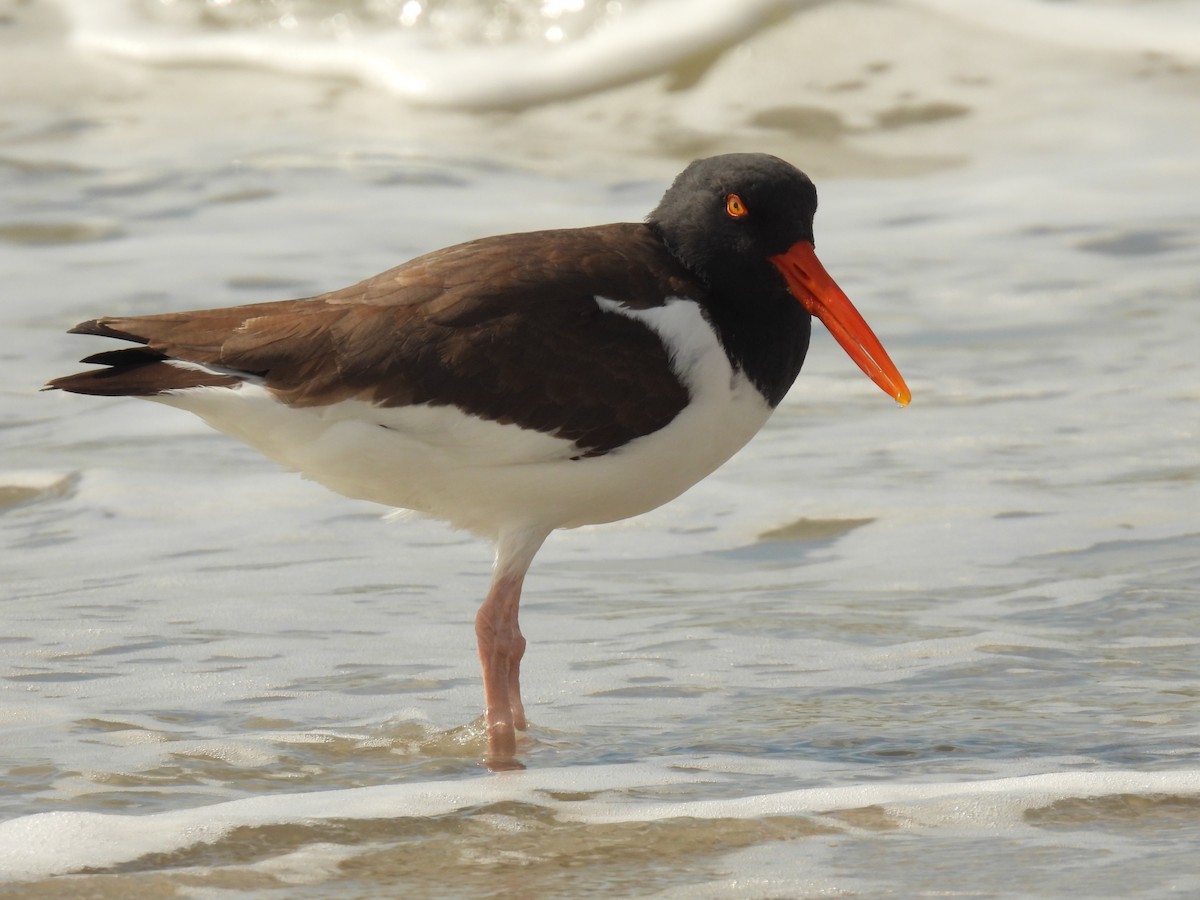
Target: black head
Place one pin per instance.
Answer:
(725, 216)
(742, 224)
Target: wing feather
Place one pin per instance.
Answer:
(507, 328)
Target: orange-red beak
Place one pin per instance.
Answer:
(819, 294)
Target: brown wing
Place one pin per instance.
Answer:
(507, 328)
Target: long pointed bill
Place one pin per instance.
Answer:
(819, 294)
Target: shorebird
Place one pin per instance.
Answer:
(522, 383)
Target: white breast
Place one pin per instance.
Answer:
(481, 475)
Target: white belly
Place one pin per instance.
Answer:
(484, 476)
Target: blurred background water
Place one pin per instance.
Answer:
(948, 650)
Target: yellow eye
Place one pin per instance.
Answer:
(735, 207)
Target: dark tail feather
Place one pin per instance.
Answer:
(127, 357)
(135, 372)
(103, 329)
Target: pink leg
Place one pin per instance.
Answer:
(500, 648)
(501, 645)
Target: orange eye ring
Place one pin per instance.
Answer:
(735, 207)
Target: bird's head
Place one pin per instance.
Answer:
(743, 223)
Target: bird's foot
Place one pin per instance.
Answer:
(502, 748)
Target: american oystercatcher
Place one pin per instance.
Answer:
(525, 382)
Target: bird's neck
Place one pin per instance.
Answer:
(764, 330)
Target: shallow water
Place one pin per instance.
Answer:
(949, 649)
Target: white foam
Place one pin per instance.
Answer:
(49, 843)
(646, 41)
(943, 803)
(61, 842)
